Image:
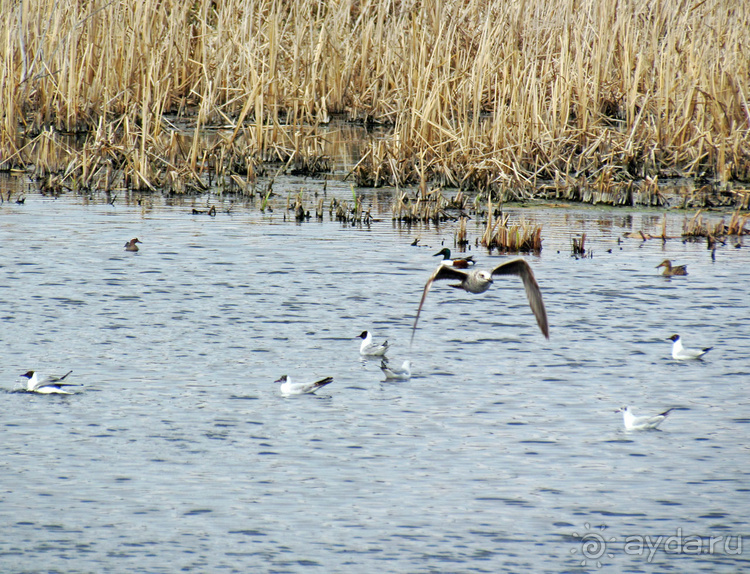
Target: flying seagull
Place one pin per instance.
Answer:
(478, 281)
(288, 388)
(48, 386)
(680, 353)
(633, 422)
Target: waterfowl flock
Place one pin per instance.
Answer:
(475, 281)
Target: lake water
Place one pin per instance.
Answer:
(502, 453)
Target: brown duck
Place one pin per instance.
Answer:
(131, 245)
(669, 271)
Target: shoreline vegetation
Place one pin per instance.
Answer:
(575, 100)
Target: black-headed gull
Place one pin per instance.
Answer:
(368, 348)
(633, 422)
(680, 353)
(48, 386)
(478, 281)
(401, 373)
(288, 388)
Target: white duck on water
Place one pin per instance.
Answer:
(48, 386)
(478, 281)
(633, 422)
(370, 349)
(288, 388)
(680, 353)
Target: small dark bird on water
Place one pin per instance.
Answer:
(131, 245)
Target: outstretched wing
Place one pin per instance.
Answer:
(57, 382)
(442, 272)
(520, 268)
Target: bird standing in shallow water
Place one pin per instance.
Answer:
(680, 353)
(669, 271)
(633, 422)
(461, 263)
(478, 281)
(131, 245)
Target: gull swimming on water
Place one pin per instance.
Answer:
(680, 353)
(633, 422)
(368, 348)
(669, 271)
(478, 281)
(461, 263)
(48, 386)
(288, 388)
(131, 245)
(402, 373)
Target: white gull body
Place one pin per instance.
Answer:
(288, 388)
(48, 386)
(401, 373)
(680, 353)
(633, 422)
(370, 349)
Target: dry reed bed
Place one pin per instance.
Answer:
(482, 94)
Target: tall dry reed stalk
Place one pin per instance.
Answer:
(484, 94)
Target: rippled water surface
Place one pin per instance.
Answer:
(502, 453)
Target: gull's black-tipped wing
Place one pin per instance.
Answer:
(520, 268)
(442, 272)
(57, 380)
(323, 382)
